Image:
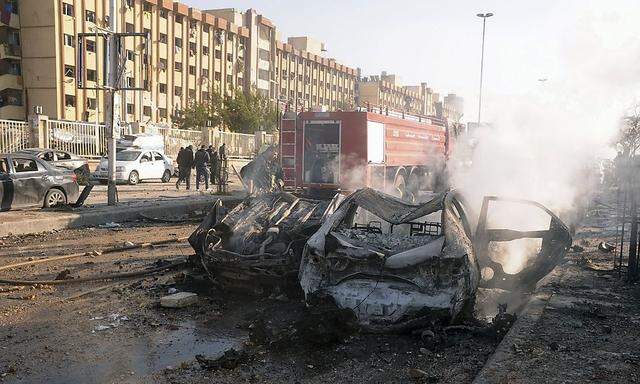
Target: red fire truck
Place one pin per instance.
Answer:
(348, 150)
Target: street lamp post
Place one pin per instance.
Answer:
(484, 17)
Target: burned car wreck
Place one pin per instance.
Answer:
(398, 265)
(256, 247)
(392, 262)
(395, 265)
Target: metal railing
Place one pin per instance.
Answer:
(175, 138)
(14, 136)
(83, 139)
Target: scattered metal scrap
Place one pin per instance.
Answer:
(256, 247)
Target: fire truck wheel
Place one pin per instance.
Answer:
(400, 186)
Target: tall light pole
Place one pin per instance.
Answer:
(484, 17)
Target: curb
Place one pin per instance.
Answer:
(493, 370)
(118, 214)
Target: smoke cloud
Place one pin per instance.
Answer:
(540, 145)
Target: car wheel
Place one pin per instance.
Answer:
(54, 197)
(166, 176)
(134, 178)
(400, 187)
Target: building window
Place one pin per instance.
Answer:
(91, 45)
(229, 79)
(162, 112)
(177, 66)
(129, 109)
(193, 24)
(192, 94)
(205, 96)
(162, 88)
(130, 55)
(179, 19)
(91, 103)
(90, 16)
(240, 81)
(69, 40)
(263, 74)
(131, 82)
(217, 76)
(230, 36)
(205, 50)
(129, 28)
(230, 57)
(205, 73)
(163, 38)
(205, 28)
(192, 48)
(147, 7)
(67, 9)
(146, 110)
(163, 64)
(69, 71)
(91, 75)
(192, 70)
(163, 14)
(69, 101)
(178, 42)
(218, 54)
(177, 91)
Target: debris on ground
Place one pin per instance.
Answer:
(179, 300)
(606, 247)
(229, 360)
(64, 275)
(576, 248)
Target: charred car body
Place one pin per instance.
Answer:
(396, 264)
(256, 247)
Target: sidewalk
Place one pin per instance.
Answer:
(583, 324)
(39, 220)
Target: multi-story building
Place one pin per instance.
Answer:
(11, 83)
(190, 55)
(387, 92)
(306, 80)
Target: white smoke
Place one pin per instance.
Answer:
(540, 144)
(545, 145)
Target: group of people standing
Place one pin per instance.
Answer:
(207, 162)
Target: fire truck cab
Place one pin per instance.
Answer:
(349, 150)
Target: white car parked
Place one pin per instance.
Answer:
(134, 166)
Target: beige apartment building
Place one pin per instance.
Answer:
(191, 54)
(386, 91)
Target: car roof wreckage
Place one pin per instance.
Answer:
(396, 265)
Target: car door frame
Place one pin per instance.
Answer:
(144, 169)
(159, 164)
(8, 189)
(23, 180)
(555, 241)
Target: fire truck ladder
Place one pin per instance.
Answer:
(288, 152)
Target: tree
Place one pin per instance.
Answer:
(249, 112)
(243, 113)
(629, 134)
(207, 113)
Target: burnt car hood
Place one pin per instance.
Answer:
(256, 247)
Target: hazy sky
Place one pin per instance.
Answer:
(438, 42)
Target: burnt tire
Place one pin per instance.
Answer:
(166, 176)
(134, 178)
(54, 197)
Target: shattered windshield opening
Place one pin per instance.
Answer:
(364, 228)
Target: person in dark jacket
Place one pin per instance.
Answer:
(201, 163)
(185, 163)
(214, 165)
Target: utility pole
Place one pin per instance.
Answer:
(112, 101)
(484, 17)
